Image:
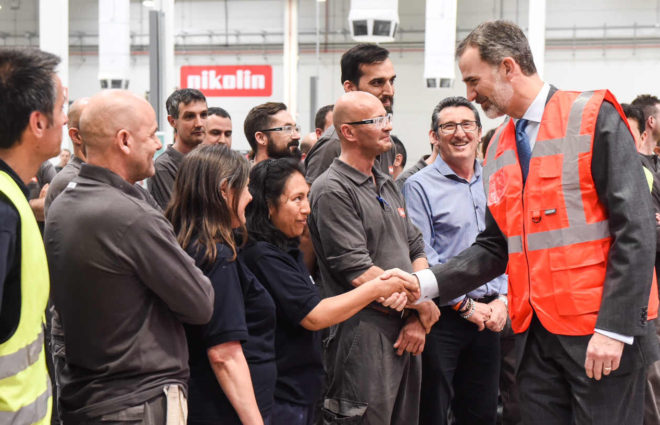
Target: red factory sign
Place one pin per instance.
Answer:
(229, 80)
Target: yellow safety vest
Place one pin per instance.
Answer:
(25, 389)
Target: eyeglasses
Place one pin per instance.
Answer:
(379, 122)
(450, 127)
(291, 129)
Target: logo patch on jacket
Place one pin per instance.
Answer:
(402, 212)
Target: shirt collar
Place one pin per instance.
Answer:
(446, 170)
(357, 176)
(535, 111)
(106, 176)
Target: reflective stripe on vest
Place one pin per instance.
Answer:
(25, 391)
(37, 412)
(23, 358)
(570, 146)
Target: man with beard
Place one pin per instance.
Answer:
(272, 132)
(571, 221)
(365, 67)
(186, 113)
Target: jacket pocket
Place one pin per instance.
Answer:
(578, 272)
(342, 411)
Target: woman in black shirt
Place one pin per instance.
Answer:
(232, 359)
(276, 218)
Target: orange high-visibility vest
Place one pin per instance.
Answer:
(556, 229)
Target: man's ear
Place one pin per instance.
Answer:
(38, 123)
(510, 67)
(349, 86)
(123, 141)
(347, 131)
(398, 159)
(261, 138)
(172, 121)
(433, 137)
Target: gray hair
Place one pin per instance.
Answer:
(497, 40)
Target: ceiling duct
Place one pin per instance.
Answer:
(373, 21)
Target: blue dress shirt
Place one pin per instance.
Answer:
(450, 212)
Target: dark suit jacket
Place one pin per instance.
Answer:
(623, 190)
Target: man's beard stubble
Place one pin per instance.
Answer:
(291, 150)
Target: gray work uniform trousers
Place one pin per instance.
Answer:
(367, 382)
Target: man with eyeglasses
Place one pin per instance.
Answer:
(365, 67)
(272, 132)
(447, 202)
(360, 229)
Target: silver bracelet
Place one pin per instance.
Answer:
(470, 312)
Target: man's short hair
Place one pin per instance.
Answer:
(26, 85)
(635, 112)
(185, 96)
(497, 40)
(399, 148)
(363, 53)
(216, 110)
(319, 118)
(448, 102)
(259, 119)
(648, 103)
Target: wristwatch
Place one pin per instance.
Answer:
(504, 299)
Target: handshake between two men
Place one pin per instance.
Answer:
(406, 293)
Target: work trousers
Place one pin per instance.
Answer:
(169, 408)
(460, 367)
(652, 397)
(555, 390)
(368, 383)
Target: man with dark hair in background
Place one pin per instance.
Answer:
(187, 113)
(400, 157)
(218, 127)
(365, 67)
(272, 132)
(323, 120)
(31, 121)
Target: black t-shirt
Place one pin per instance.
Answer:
(299, 367)
(243, 311)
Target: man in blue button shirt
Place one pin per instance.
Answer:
(446, 200)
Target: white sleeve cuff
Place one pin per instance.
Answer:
(427, 284)
(623, 338)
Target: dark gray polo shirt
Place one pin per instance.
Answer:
(122, 286)
(356, 224)
(61, 180)
(328, 148)
(161, 184)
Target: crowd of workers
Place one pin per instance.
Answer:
(316, 281)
